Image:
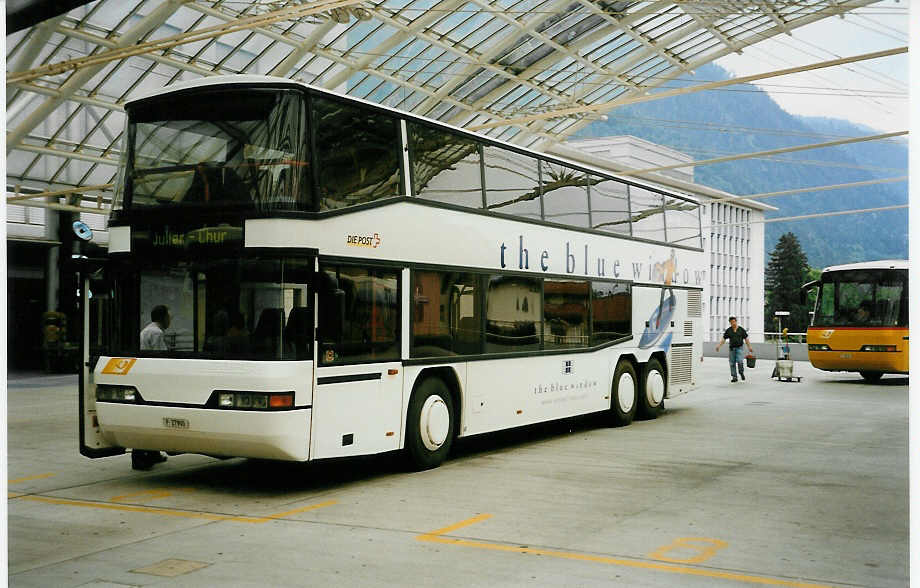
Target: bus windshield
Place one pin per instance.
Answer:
(862, 298)
(257, 308)
(241, 147)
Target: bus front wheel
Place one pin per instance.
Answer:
(871, 376)
(654, 389)
(430, 424)
(623, 394)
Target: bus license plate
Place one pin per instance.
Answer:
(846, 356)
(171, 423)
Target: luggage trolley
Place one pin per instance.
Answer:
(783, 371)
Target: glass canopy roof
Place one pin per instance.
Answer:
(465, 62)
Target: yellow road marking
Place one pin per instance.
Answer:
(171, 512)
(436, 537)
(29, 478)
(704, 545)
(287, 513)
(150, 494)
(459, 525)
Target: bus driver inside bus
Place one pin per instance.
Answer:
(153, 337)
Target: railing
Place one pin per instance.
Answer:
(788, 337)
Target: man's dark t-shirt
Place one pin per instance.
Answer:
(735, 338)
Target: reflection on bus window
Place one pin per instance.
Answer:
(610, 206)
(683, 222)
(447, 318)
(252, 308)
(514, 314)
(358, 315)
(445, 166)
(512, 183)
(647, 213)
(237, 148)
(565, 195)
(565, 310)
(357, 154)
(611, 312)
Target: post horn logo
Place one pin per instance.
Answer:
(372, 241)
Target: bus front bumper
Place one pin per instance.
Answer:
(281, 435)
(859, 361)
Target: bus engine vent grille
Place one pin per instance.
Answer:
(695, 304)
(688, 329)
(681, 365)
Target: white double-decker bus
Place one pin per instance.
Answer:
(339, 278)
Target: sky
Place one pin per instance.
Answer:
(873, 93)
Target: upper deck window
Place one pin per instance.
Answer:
(446, 166)
(218, 148)
(357, 154)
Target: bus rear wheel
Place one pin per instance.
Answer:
(871, 376)
(654, 389)
(430, 424)
(623, 393)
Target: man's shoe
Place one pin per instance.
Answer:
(734, 379)
(142, 459)
(742, 376)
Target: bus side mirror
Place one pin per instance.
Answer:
(805, 289)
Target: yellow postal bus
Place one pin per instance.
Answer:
(860, 322)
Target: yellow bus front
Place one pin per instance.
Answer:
(859, 349)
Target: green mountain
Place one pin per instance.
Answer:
(743, 119)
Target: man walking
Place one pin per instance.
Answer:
(736, 337)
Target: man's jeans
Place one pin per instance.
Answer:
(736, 355)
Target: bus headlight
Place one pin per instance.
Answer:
(877, 348)
(234, 400)
(115, 393)
(818, 347)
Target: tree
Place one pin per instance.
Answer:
(787, 271)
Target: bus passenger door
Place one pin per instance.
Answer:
(98, 316)
(357, 399)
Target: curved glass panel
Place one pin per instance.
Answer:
(357, 154)
(220, 148)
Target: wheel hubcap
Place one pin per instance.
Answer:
(654, 388)
(626, 392)
(434, 425)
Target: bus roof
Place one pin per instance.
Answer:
(868, 265)
(243, 79)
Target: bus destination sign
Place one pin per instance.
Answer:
(172, 238)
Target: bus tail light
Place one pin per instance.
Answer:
(235, 400)
(113, 393)
(876, 348)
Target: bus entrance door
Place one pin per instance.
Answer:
(97, 307)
